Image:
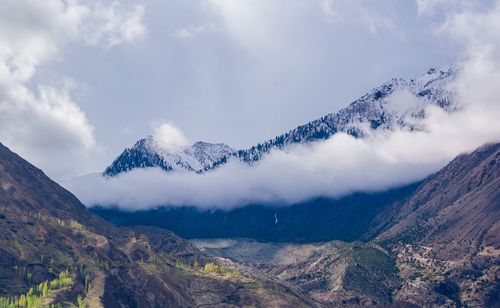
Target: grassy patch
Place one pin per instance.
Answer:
(37, 296)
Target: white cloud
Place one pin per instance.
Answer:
(40, 120)
(114, 24)
(47, 127)
(377, 23)
(337, 11)
(435, 7)
(31, 31)
(328, 9)
(190, 32)
(429, 6)
(169, 137)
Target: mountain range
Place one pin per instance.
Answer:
(375, 110)
(433, 243)
(307, 221)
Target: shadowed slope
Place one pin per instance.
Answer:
(45, 231)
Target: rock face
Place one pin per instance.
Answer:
(378, 109)
(45, 231)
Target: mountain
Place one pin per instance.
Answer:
(333, 274)
(374, 109)
(446, 236)
(146, 152)
(53, 251)
(318, 220)
(438, 247)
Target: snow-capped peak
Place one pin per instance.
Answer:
(381, 108)
(147, 152)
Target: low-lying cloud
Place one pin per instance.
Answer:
(341, 164)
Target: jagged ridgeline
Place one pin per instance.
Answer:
(373, 109)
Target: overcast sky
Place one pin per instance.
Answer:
(81, 80)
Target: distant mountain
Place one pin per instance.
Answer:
(146, 152)
(373, 109)
(318, 220)
(53, 251)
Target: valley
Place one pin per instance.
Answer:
(408, 258)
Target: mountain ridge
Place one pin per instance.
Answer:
(371, 109)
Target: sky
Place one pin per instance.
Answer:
(82, 80)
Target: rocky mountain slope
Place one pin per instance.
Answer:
(447, 235)
(375, 110)
(54, 251)
(334, 273)
(440, 247)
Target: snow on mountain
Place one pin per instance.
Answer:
(393, 104)
(146, 152)
(384, 107)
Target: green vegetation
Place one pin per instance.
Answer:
(214, 268)
(71, 224)
(209, 268)
(370, 272)
(79, 301)
(35, 297)
(65, 223)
